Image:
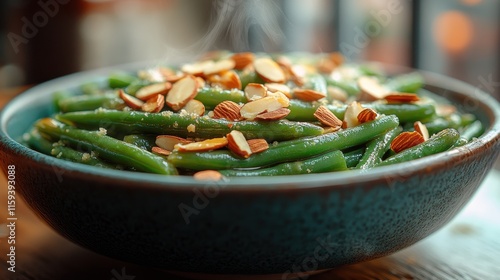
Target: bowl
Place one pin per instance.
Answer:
(272, 228)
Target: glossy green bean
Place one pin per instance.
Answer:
(136, 122)
(292, 150)
(106, 147)
(143, 141)
(410, 83)
(439, 142)
(376, 148)
(120, 80)
(90, 102)
(328, 162)
(211, 97)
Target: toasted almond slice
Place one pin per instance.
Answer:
(422, 129)
(327, 118)
(308, 94)
(220, 66)
(147, 92)
(258, 145)
(203, 146)
(326, 65)
(269, 70)
(281, 97)
(226, 80)
(331, 129)
(237, 143)
(228, 110)
(371, 89)
(195, 107)
(208, 175)
(367, 115)
(182, 91)
(284, 62)
(351, 114)
(168, 142)
(175, 77)
(154, 104)
(251, 109)
(406, 140)
(243, 59)
(445, 110)
(273, 115)
(197, 68)
(336, 93)
(274, 87)
(298, 74)
(401, 98)
(132, 102)
(201, 82)
(337, 58)
(160, 151)
(254, 91)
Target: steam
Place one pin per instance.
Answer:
(237, 25)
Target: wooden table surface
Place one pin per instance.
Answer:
(467, 248)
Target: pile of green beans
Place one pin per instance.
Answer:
(96, 126)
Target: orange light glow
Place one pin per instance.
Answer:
(453, 31)
(471, 2)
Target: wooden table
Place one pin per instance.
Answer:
(467, 248)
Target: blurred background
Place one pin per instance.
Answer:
(44, 39)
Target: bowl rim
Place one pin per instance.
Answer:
(131, 179)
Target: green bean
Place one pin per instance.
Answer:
(315, 82)
(211, 97)
(328, 162)
(133, 87)
(136, 122)
(460, 142)
(439, 142)
(473, 130)
(353, 157)
(350, 87)
(376, 148)
(37, 142)
(143, 141)
(292, 150)
(60, 95)
(92, 88)
(107, 147)
(411, 83)
(455, 121)
(90, 102)
(247, 77)
(120, 80)
(304, 111)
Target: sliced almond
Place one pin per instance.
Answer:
(367, 115)
(175, 77)
(132, 102)
(254, 91)
(228, 110)
(208, 175)
(406, 140)
(336, 93)
(298, 74)
(337, 58)
(281, 97)
(201, 82)
(147, 92)
(195, 107)
(269, 70)
(401, 98)
(308, 94)
(154, 105)
(351, 114)
(243, 59)
(160, 151)
(273, 115)
(237, 143)
(422, 129)
(445, 110)
(226, 80)
(327, 118)
(197, 68)
(371, 89)
(153, 75)
(220, 66)
(258, 145)
(274, 87)
(326, 65)
(267, 104)
(182, 91)
(203, 146)
(168, 142)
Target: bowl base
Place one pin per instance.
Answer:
(277, 276)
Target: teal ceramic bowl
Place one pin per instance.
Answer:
(280, 227)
